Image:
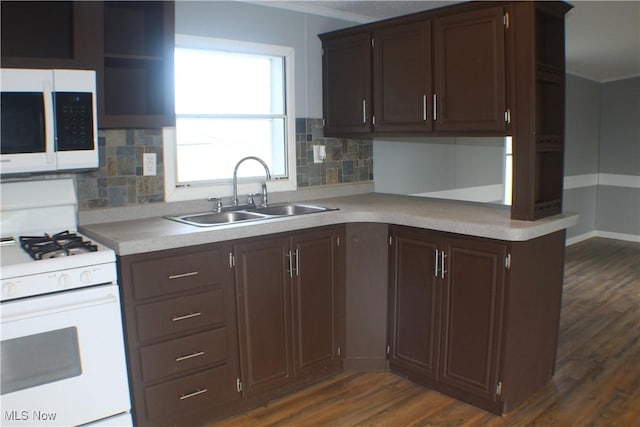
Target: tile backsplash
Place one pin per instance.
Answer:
(119, 181)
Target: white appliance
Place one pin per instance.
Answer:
(48, 120)
(62, 347)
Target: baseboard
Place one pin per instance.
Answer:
(605, 234)
(361, 364)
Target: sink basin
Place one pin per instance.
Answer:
(290, 209)
(208, 219)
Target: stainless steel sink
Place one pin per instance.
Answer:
(290, 209)
(210, 219)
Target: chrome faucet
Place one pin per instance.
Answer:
(264, 184)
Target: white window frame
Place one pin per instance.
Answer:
(174, 192)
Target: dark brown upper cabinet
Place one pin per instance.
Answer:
(402, 78)
(347, 85)
(136, 78)
(129, 44)
(48, 34)
(469, 71)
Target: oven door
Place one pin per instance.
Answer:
(63, 360)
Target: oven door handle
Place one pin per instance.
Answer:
(110, 298)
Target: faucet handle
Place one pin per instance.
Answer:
(218, 201)
(251, 198)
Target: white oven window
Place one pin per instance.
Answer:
(40, 359)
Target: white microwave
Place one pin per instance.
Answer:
(49, 120)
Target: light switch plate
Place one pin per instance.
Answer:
(319, 153)
(149, 164)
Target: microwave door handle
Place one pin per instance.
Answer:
(49, 137)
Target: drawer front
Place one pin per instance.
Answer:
(183, 354)
(191, 393)
(177, 273)
(179, 315)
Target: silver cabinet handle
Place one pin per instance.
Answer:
(186, 316)
(435, 106)
(290, 261)
(190, 356)
(364, 111)
(424, 108)
(180, 276)
(442, 264)
(435, 264)
(193, 394)
(297, 262)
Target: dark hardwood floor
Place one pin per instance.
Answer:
(597, 380)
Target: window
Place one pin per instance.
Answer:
(508, 170)
(233, 100)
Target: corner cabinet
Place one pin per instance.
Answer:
(290, 294)
(462, 318)
(180, 317)
(346, 86)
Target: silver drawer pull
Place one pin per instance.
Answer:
(180, 276)
(190, 356)
(193, 394)
(186, 316)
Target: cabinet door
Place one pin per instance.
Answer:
(315, 279)
(472, 315)
(470, 71)
(347, 85)
(413, 302)
(48, 34)
(263, 293)
(402, 78)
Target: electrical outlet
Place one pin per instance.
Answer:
(149, 164)
(319, 153)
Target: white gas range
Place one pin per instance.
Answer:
(62, 347)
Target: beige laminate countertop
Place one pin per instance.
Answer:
(475, 219)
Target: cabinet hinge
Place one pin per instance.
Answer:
(388, 350)
(499, 389)
(339, 351)
(506, 20)
(238, 385)
(507, 261)
(232, 260)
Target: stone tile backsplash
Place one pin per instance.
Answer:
(119, 181)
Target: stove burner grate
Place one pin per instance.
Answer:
(58, 245)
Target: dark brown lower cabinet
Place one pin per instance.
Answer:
(469, 315)
(289, 291)
(180, 323)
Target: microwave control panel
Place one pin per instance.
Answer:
(74, 121)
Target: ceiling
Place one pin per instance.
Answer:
(602, 37)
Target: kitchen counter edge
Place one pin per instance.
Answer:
(143, 235)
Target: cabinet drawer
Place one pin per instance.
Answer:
(187, 394)
(183, 354)
(177, 273)
(180, 314)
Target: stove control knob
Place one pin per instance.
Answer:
(9, 290)
(65, 281)
(86, 277)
